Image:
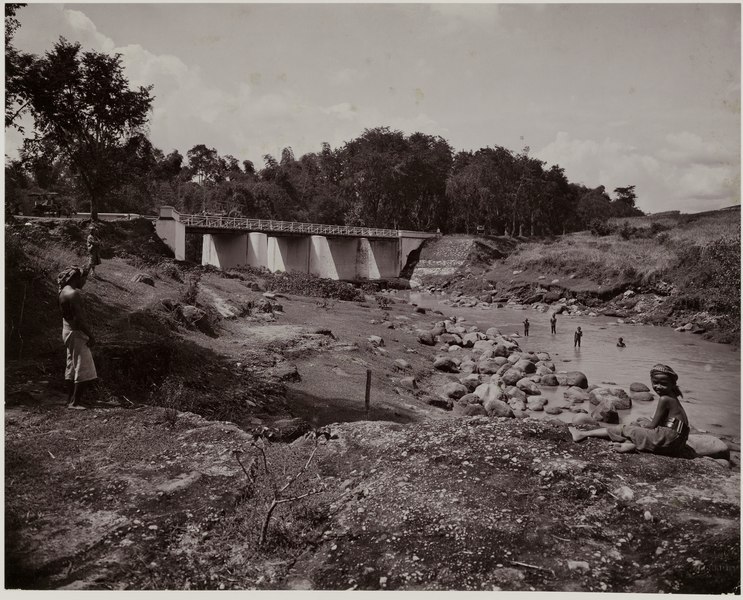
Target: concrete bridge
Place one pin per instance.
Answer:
(330, 251)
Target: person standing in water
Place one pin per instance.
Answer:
(665, 434)
(553, 323)
(577, 337)
(620, 343)
(526, 327)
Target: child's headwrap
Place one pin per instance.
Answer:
(69, 273)
(666, 370)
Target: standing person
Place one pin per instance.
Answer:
(94, 248)
(76, 335)
(576, 338)
(553, 323)
(665, 434)
(526, 327)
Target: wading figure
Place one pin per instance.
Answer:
(526, 327)
(553, 323)
(576, 338)
(76, 335)
(667, 432)
(620, 343)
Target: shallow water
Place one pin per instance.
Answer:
(709, 373)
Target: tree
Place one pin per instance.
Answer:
(82, 104)
(17, 65)
(626, 195)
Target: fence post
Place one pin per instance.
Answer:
(367, 399)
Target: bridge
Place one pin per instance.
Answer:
(331, 251)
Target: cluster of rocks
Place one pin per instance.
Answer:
(492, 375)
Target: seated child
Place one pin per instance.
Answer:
(667, 432)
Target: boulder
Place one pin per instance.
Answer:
(642, 397)
(192, 314)
(490, 391)
(402, 364)
(512, 376)
(520, 414)
(497, 408)
(514, 358)
(469, 339)
(517, 404)
(501, 350)
(409, 383)
(708, 445)
(584, 419)
(576, 378)
(546, 364)
(488, 366)
(453, 390)
(470, 399)
(638, 387)
(605, 413)
(445, 364)
(375, 340)
(543, 356)
(287, 372)
(450, 338)
(549, 380)
(470, 381)
(492, 332)
(526, 366)
(536, 403)
(576, 395)
(474, 410)
(516, 393)
(444, 403)
(455, 348)
(616, 396)
(482, 345)
(467, 366)
(553, 410)
(427, 338)
(528, 387)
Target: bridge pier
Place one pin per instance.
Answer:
(172, 231)
(225, 251)
(257, 249)
(289, 254)
(333, 258)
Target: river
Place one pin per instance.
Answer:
(709, 373)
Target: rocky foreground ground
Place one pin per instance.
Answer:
(134, 501)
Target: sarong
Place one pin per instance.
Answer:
(660, 440)
(80, 366)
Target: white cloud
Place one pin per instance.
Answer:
(680, 176)
(688, 148)
(87, 32)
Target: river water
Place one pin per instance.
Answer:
(709, 373)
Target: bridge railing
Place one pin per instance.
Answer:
(223, 222)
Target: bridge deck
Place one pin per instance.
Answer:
(208, 223)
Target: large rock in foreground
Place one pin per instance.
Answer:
(708, 445)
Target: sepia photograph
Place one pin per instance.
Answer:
(410, 297)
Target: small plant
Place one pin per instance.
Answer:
(262, 437)
(192, 290)
(383, 302)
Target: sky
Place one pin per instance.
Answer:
(616, 94)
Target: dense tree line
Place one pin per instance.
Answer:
(89, 144)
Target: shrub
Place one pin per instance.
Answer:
(599, 227)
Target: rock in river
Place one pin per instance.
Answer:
(708, 445)
(576, 378)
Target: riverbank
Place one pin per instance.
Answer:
(681, 271)
(144, 490)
